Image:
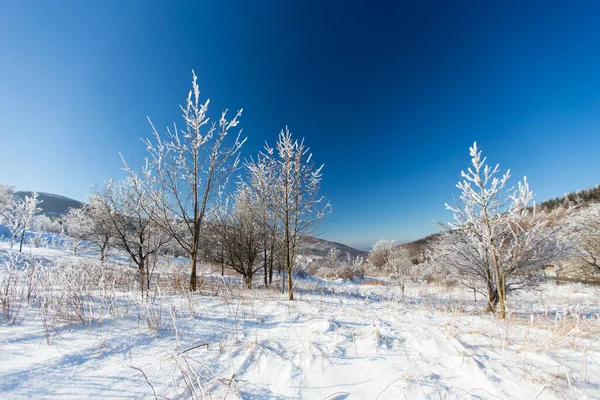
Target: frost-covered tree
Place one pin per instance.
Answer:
(288, 182)
(382, 253)
(20, 215)
(6, 203)
(395, 262)
(6, 198)
(240, 235)
(76, 226)
(92, 223)
(462, 260)
(188, 170)
(400, 267)
(499, 230)
(38, 239)
(271, 250)
(334, 258)
(127, 205)
(261, 176)
(585, 227)
(48, 225)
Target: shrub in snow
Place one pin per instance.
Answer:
(392, 261)
(18, 285)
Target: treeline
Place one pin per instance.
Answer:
(568, 200)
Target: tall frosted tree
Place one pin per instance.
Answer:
(188, 169)
(288, 183)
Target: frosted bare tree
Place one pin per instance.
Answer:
(76, 225)
(270, 246)
(400, 267)
(585, 228)
(127, 206)
(19, 216)
(189, 168)
(288, 183)
(262, 175)
(501, 233)
(461, 259)
(6, 197)
(6, 203)
(93, 223)
(240, 235)
(382, 253)
(334, 258)
(393, 261)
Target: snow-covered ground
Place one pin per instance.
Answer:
(335, 341)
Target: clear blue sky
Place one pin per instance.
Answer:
(388, 96)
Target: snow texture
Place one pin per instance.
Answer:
(337, 340)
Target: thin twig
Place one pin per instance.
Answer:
(193, 348)
(156, 396)
(335, 394)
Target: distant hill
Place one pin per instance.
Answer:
(52, 204)
(579, 197)
(319, 247)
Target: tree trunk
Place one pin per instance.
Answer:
(141, 270)
(492, 298)
(290, 287)
(248, 280)
(502, 296)
(192, 285)
(103, 251)
(21, 241)
(265, 268)
(271, 261)
(147, 263)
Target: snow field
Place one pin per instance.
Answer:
(338, 340)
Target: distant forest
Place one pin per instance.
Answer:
(579, 197)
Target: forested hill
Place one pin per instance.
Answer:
(320, 247)
(579, 197)
(52, 204)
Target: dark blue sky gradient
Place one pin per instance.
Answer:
(388, 96)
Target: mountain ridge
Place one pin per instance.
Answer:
(52, 205)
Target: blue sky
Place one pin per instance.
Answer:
(389, 96)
